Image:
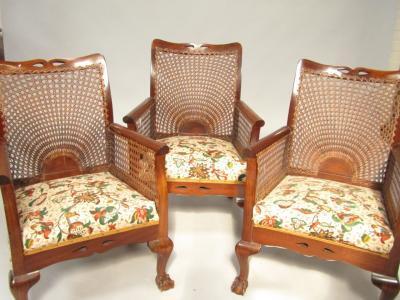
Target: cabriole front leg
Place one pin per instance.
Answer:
(243, 250)
(163, 248)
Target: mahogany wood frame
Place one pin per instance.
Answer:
(384, 268)
(26, 267)
(197, 188)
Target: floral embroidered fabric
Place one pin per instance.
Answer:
(70, 209)
(327, 209)
(203, 159)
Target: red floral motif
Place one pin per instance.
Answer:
(78, 206)
(196, 157)
(44, 228)
(97, 214)
(271, 222)
(141, 214)
(329, 210)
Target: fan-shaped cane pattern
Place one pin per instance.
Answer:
(192, 86)
(48, 112)
(351, 118)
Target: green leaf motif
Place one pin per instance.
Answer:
(59, 237)
(65, 210)
(345, 228)
(113, 219)
(149, 214)
(28, 243)
(109, 208)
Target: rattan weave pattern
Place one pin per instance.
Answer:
(350, 118)
(271, 167)
(193, 86)
(49, 112)
(134, 163)
(242, 129)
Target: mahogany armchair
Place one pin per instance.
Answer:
(328, 183)
(73, 183)
(195, 108)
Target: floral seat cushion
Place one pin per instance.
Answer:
(203, 159)
(75, 208)
(327, 209)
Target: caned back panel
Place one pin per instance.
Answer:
(349, 115)
(49, 111)
(195, 85)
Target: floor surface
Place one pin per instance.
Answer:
(205, 231)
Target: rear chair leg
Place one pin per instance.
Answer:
(20, 284)
(163, 248)
(389, 286)
(243, 250)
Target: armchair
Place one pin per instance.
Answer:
(328, 183)
(195, 108)
(73, 183)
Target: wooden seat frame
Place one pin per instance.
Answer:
(26, 267)
(246, 128)
(384, 267)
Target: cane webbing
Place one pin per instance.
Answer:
(135, 164)
(351, 118)
(193, 86)
(49, 112)
(271, 167)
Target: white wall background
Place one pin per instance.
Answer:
(274, 34)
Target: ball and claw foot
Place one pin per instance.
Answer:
(164, 282)
(239, 286)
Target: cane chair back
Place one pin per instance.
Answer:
(343, 123)
(54, 115)
(195, 88)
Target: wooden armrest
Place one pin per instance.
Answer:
(132, 117)
(267, 141)
(158, 147)
(5, 174)
(250, 115)
(254, 119)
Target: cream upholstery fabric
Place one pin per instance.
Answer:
(203, 159)
(58, 211)
(327, 209)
